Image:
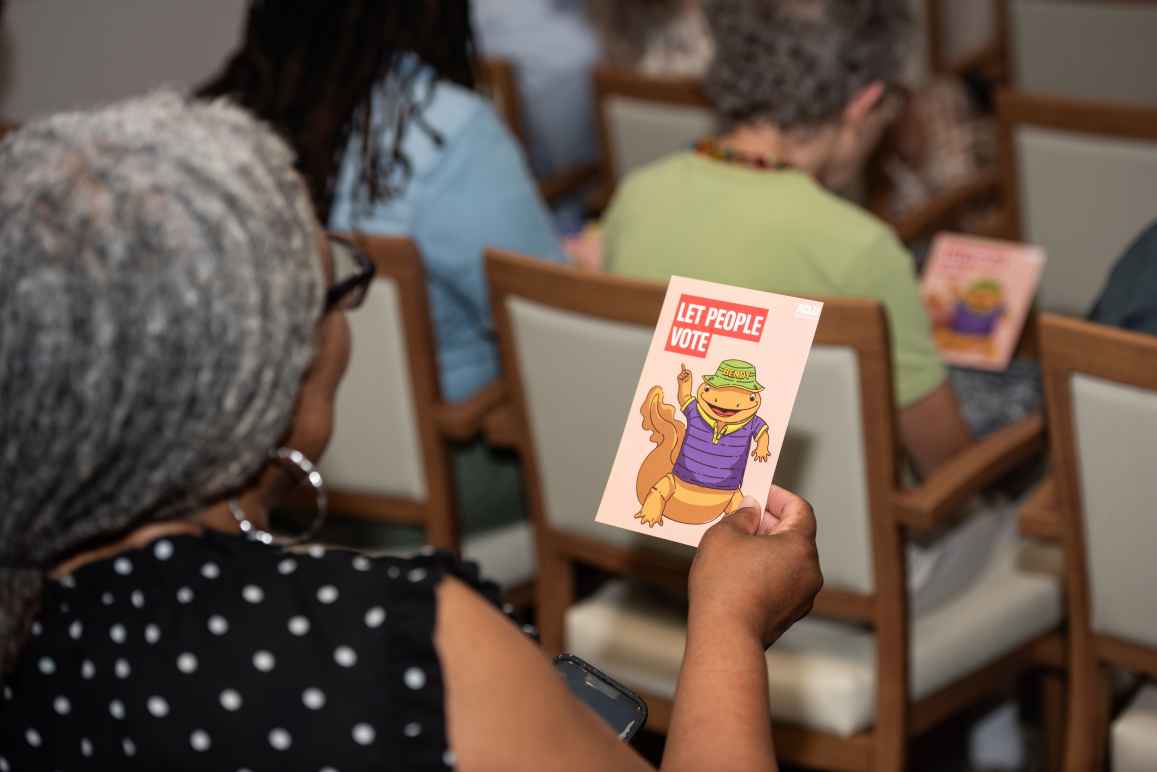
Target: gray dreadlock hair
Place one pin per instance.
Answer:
(798, 63)
(160, 281)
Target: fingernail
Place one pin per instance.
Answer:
(749, 501)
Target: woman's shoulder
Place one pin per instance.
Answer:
(331, 652)
(450, 120)
(664, 176)
(452, 116)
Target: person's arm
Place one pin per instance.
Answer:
(507, 710)
(722, 717)
(1129, 297)
(933, 430)
(715, 700)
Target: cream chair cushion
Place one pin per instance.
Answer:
(1115, 425)
(1115, 40)
(642, 131)
(1134, 734)
(375, 447)
(1084, 199)
(822, 674)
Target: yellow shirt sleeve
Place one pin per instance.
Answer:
(916, 365)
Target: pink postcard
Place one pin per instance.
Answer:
(711, 408)
(978, 293)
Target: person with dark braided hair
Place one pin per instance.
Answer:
(376, 99)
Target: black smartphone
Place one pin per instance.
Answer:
(620, 707)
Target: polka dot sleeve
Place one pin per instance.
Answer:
(414, 674)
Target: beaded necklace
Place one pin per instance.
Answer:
(712, 149)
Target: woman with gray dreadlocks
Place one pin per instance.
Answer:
(172, 334)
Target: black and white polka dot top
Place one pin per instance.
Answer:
(216, 653)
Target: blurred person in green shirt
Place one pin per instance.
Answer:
(803, 91)
(802, 94)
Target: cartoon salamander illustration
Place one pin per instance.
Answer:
(696, 470)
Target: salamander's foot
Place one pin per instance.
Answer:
(652, 512)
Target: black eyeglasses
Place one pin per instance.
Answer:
(353, 270)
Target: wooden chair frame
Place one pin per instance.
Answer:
(991, 57)
(438, 422)
(1068, 347)
(498, 78)
(1016, 109)
(610, 83)
(861, 326)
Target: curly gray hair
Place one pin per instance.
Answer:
(798, 63)
(160, 281)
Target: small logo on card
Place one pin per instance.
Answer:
(808, 310)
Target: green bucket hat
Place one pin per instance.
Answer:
(734, 372)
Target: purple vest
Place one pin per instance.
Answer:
(702, 462)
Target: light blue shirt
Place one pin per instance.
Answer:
(472, 192)
(555, 49)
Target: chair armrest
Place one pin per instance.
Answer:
(937, 502)
(567, 181)
(1040, 515)
(463, 420)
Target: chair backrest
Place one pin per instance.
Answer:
(386, 459)
(960, 34)
(825, 443)
(1115, 41)
(573, 345)
(1102, 392)
(498, 80)
(839, 448)
(1080, 180)
(643, 118)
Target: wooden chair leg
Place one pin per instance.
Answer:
(1052, 685)
(1080, 718)
(555, 594)
(1102, 714)
(889, 755)
(1086, 736)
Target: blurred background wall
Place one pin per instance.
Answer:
(72, 53)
